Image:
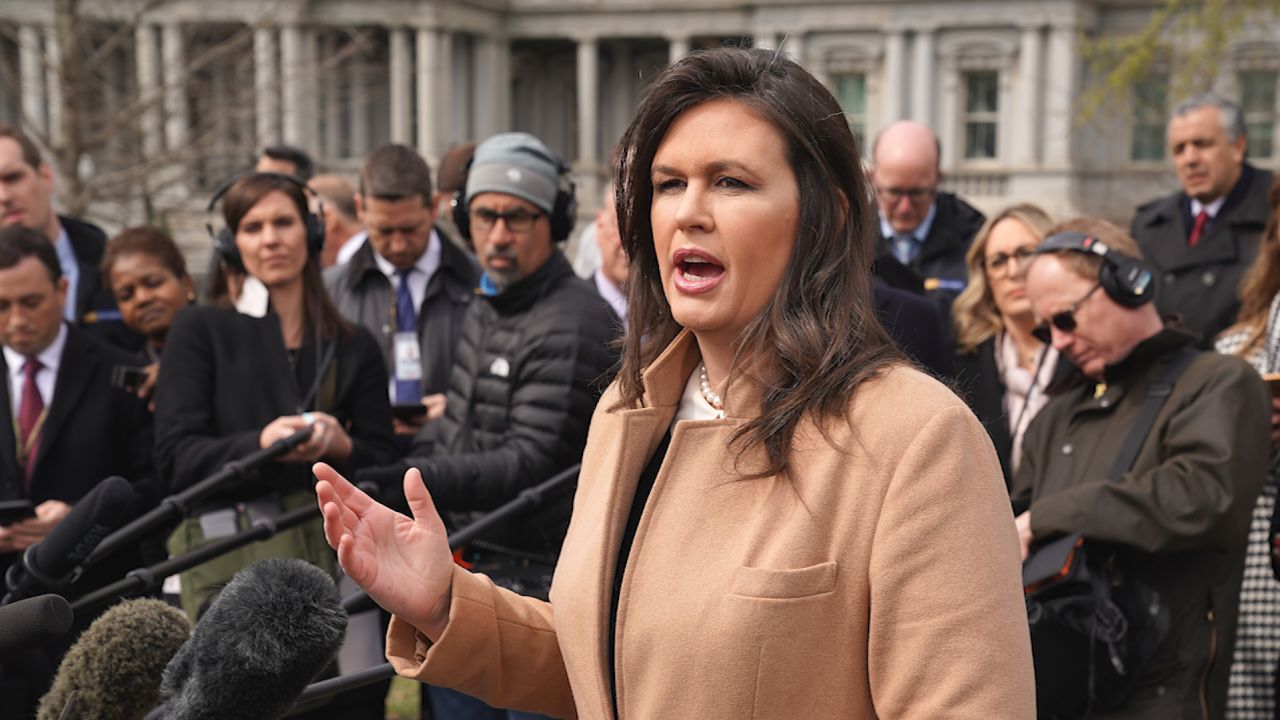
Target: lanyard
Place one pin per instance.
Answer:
(25, 448)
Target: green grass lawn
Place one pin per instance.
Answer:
(402, 700)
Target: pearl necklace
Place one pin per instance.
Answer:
(713, 399)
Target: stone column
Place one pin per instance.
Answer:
(31, 64)
(53, 83)
(764, 39)
(894, 76)
(493, 86)
(429, 93)
(177, 121)
(949, 112)
(1061, 87)
(679, 47)
(332, 94)
(293, 86)
(401, 92)
(922, 77)
(358, 141)
(446, 93)
(265, 85)
(793, 44)
(149, 90)
(1026, 114)
(588, 103)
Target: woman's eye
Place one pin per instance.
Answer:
(668, 185)
(252, 227)
(732, 183)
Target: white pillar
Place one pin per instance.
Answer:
(764, 39)
(53, 82)
(177, 122)
(265, 84)
(293, 85)
(401, 92)
(794, 46)
(429, 93)
(446, 94)
(493, 86)
(502, 85)
(923, 66)
(588, 103)
(949, 113)
(332, 94)
(31, 64)
(1060, 93)
(1026, 116)
(678, 47)
(149, 90)
(359, 108)
(894, 76)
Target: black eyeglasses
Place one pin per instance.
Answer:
(1064, 321)
(997, 263)
(518, 220)
(914, 194)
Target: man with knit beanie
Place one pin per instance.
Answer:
(533, 359)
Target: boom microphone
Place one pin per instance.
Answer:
(275, 626)
(30, 623)
(56, 561)
(113, 670)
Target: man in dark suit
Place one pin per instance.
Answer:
(26, 199)
(924, 233)
(1203, 238)
(71, 428)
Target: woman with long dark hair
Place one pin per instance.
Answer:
(776, 514)
(234, 381)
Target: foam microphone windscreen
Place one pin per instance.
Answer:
(30, 623)
(270, 631)
(113, 671)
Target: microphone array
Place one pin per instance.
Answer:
(275, 627)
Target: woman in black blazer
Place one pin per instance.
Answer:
(235, 381)
(1001, 369)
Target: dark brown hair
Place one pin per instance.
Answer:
(819, 334)
(395, 172)
(18, 242)
(317, 306)
(1262, 282)
(144, 240)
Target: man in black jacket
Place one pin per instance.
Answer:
(924, 233)
(408, 285)
(1203, 238)
(26, 198)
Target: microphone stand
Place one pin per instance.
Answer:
(148, 578)
(529, 499)
(176, 506)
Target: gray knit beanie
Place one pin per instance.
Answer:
(516, 164)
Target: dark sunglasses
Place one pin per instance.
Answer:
(1064, 321)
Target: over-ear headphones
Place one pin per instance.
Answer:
(564, 210)
(1126, 280)
(224, 238)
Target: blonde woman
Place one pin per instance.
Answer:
(1002, 370)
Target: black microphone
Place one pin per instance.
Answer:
(56, 561)
(113, 671)
(30, 623)
(271, 630)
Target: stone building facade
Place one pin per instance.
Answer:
(1000, 80)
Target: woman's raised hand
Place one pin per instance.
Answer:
(403, 563)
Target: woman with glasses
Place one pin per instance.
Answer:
(1256, 338)
(1001, 368)
(776, 516)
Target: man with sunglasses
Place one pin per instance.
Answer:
(924, 233)
(1178, 517)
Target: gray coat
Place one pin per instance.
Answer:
(365, 296)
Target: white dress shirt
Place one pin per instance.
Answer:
(70, 270)
(50, 358)
(612, 295)
(1212, 208)
(419, 275)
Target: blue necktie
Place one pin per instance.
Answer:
(905, 248)
(407, 391)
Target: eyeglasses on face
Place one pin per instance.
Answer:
(914, 194)
(518, 220)
(1064, 321)
(997, 263)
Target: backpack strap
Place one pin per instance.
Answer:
(1157, 393)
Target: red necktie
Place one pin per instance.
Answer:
(1196, 230)
(29, 414)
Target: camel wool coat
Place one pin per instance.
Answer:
(880, 579)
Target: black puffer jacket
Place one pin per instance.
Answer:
(527, 372)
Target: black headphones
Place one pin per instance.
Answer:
(563, 211)
(224, 239)
(1126, 280)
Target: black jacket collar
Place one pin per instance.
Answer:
(454, 263)
(1147, 353)
(529, 290)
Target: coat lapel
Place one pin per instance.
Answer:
(75, 371)
(10, 483)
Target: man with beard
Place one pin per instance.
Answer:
(532, 361)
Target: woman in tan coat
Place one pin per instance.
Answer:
(776, 516)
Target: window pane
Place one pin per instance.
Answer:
(981, 92)
(1150, 105)
(1148, 143)
(1258, 91)
(980, 140)
(1260, 139)
(851, 92)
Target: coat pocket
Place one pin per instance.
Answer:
(784, 584)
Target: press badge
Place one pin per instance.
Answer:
(408, 356)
